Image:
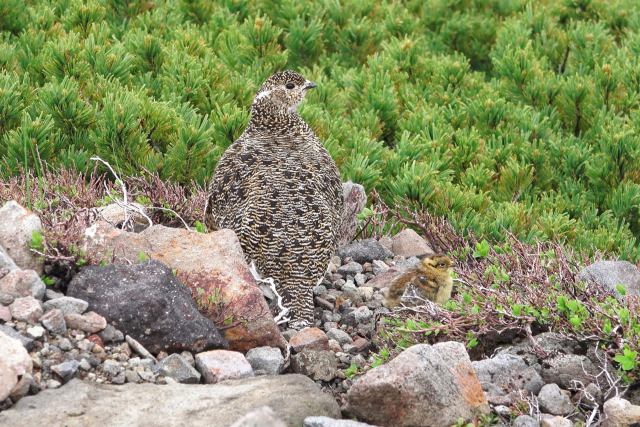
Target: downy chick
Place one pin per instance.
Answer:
(432, 276)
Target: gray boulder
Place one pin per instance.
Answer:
(366, 250)
(17, 226)
(425, 385)
(147, 302)
(260, 417)
(292, 397)
(330, 422)
(554, 400)
(609, 274)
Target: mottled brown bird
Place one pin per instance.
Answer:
(432, 276)
(281, 192)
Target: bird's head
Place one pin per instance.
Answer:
(438, 265)
(283, 91)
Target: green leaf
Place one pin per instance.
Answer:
(482, 249)
(622, 290)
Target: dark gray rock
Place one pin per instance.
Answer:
(609, 274)
(78, 403)
(66, 370)
(147, 302)
(111, 335)
(362, 251)
(176, 367)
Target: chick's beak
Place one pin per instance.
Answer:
(309, 85)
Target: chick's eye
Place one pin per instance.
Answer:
(290, 86)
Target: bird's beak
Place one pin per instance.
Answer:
(309, 85)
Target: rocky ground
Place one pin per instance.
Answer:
(106, 344)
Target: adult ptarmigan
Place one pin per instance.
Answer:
(281, 192)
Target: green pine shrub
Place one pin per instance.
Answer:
(505, 116)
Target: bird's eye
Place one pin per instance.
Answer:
(290, 85)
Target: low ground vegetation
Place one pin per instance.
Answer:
(504, 116)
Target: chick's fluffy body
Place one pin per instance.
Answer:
(281, 192)
(432, 276)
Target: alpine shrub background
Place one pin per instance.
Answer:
(502, 115)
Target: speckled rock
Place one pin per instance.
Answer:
(14, 363)
(319, 365)
(176, 367)
(67, 305)
(408, 243)
(619, 412)
(609, 274)
(53, 320)
(90, 322)
(554, 400)
(220, 365)
(27, 309)
(17, 226)
(265, 360)
(260, 417)
(22, 283)
(309, 339)
(424, 385)
(507, 373)
(292, 397)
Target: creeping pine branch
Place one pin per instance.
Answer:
(127, 206)
(284, 311)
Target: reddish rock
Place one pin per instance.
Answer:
(96, 340)
(309, 339)
(423, 386)
(28, 309)
(14, 363)
(22, 283)
(361, 344)
(220, 365)
(5, 314)
(409, 243)
(211, 265)
(90, 322)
